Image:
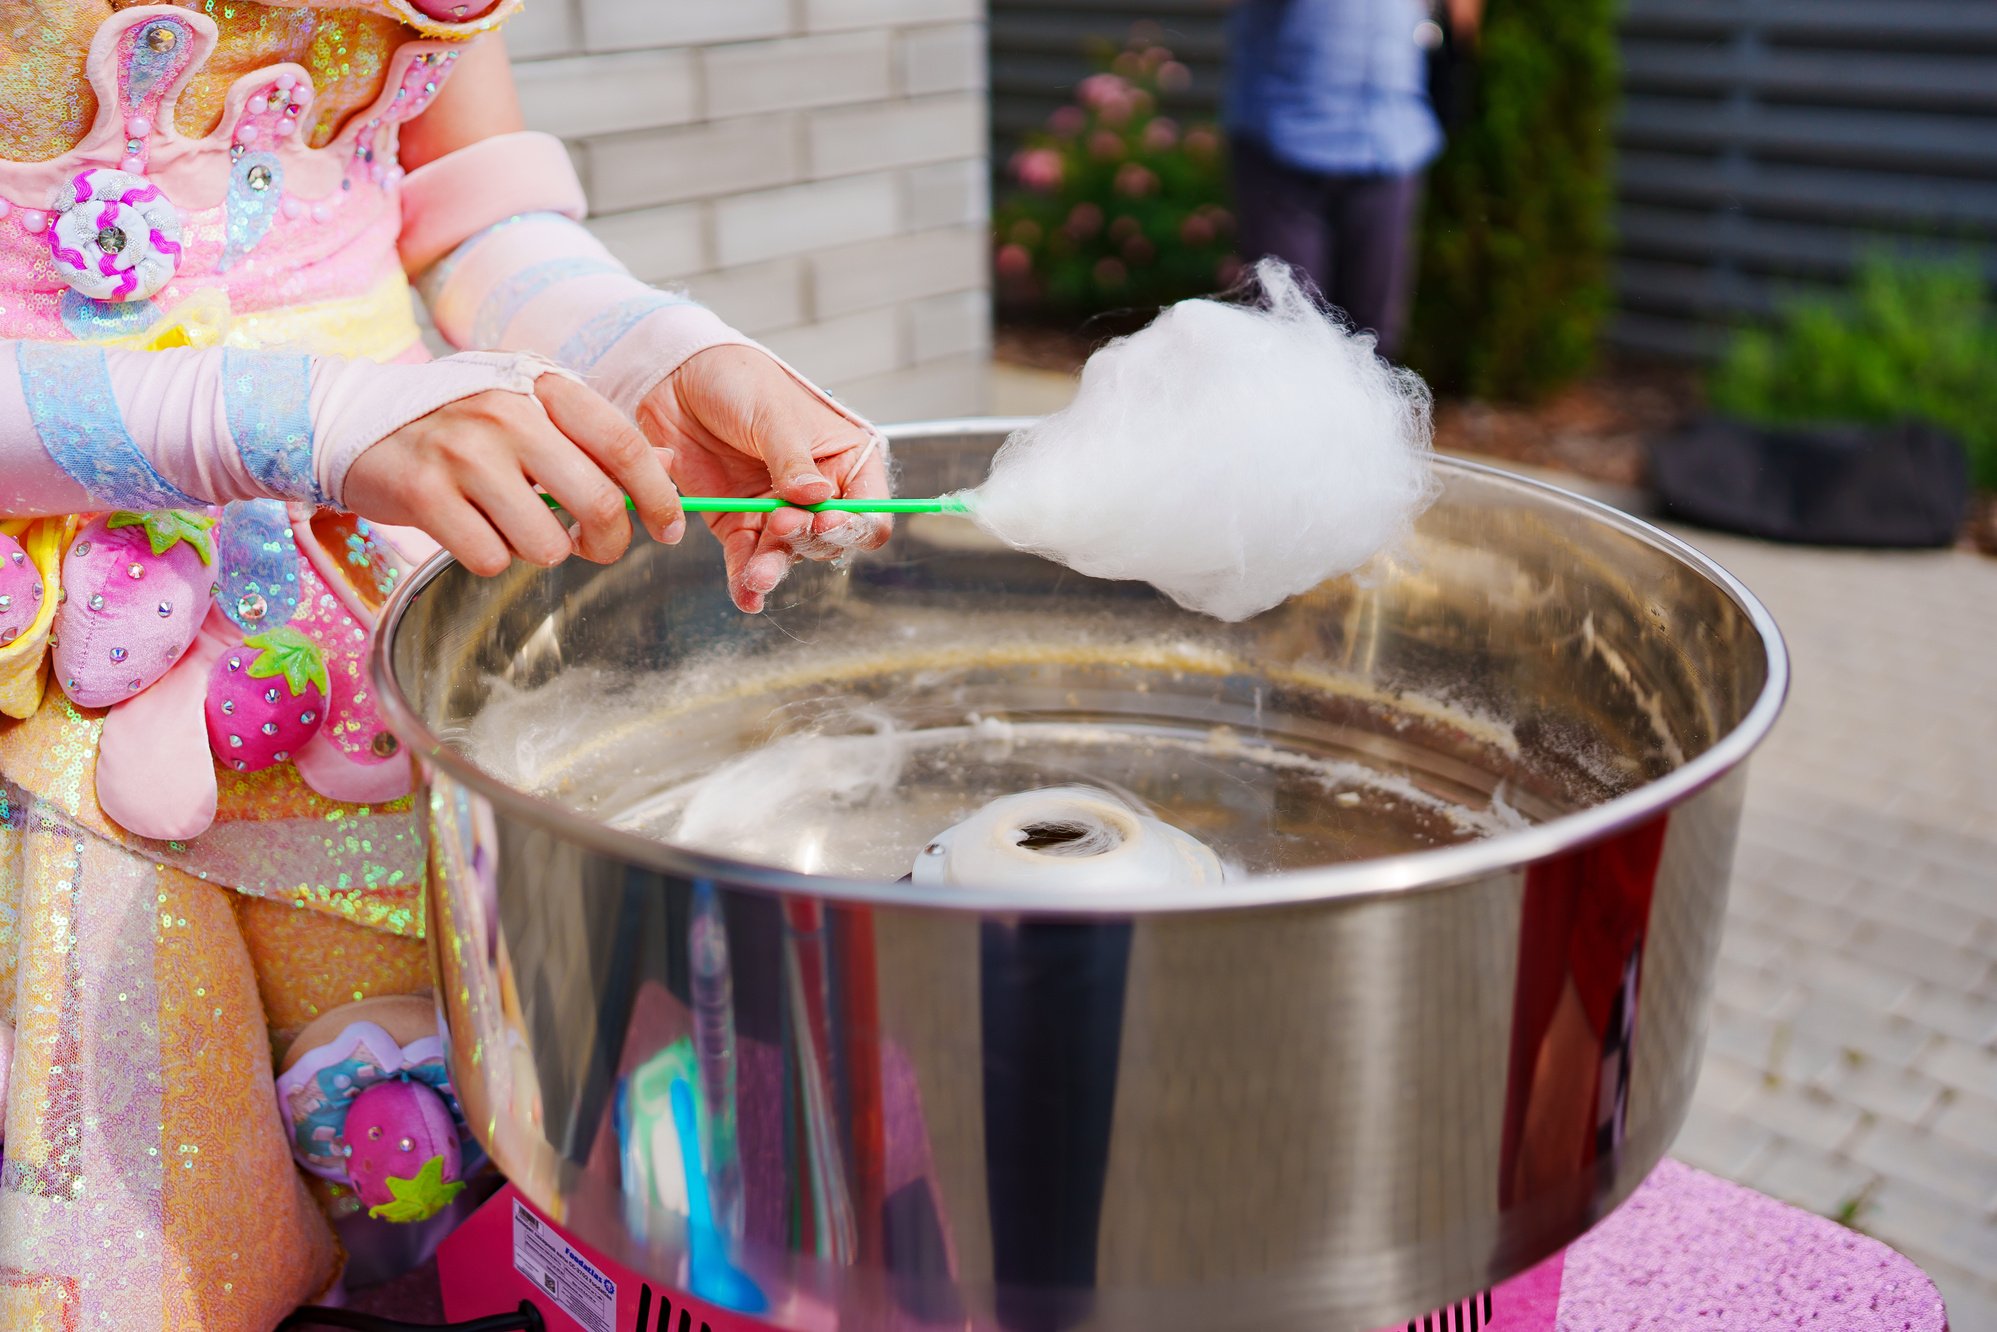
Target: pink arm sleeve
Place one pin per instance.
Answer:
(84, 429)
(493, 231)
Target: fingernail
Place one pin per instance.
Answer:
(575, 538)
(675, 530)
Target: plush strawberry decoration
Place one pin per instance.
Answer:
(402, 1151)
(266, 699)
(20, 590)
(137, 588)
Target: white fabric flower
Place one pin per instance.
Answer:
(115, 238)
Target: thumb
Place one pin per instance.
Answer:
(786, 440)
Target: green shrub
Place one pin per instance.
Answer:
(1118, 207)
(1913, 339)
(1513, 277)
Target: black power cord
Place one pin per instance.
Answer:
(524, 1319)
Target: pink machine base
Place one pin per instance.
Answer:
(1686, 1251)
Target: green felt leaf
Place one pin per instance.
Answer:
(286, 652)
(167, 528)
(420, 1198)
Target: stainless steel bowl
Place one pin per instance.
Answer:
(1445, 1011)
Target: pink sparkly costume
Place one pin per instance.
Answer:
(209, 841)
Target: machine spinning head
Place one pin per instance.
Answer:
(1078, 837)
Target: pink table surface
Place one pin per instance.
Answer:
(1691, 1251)
(1688, 1252)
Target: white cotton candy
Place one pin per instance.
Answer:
(1231, 455)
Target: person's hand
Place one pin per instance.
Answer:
(466, 474)
(737, 424)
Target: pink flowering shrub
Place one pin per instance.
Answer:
(1116, 206)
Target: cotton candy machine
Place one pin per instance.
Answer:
(967, 943)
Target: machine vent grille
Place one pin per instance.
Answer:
(1472, 1315)
(665, 1321)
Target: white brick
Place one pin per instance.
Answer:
(1899, 1152)
(931, 129)
(952, 325)
(822, 14)
(1884, 1090)
(800, 72)
(696, 162)
(657, 244)
(833, 351)
(899, 268)
(615, 25)
(1809, 1118)
(1811, 1181)
(948, 194)
(605, 94)
(756, 298)
(1964, 1067)
(1721, 1144)
(1927, 1227)
(543, 29)
(946, 59)
(958, 386)
(804, 218)
(1971, 1121)
(1727, 1084)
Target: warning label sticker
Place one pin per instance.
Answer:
(574, 1283)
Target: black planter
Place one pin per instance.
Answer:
(1903, 485)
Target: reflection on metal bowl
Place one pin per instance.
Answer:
(1442, 1011)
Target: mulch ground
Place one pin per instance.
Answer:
(1599, 428)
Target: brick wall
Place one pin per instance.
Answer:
(813, 170)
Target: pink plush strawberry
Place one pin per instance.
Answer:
(266, 699)
(136, 588)
(20, 590)
(402, 1151)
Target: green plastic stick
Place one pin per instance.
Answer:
(724, 504)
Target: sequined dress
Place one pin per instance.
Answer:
(147, 1181)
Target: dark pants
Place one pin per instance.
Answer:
(1352, 234)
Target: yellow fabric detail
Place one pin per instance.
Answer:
(23, 661)
(379, 324)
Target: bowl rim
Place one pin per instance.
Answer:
(1411, 871)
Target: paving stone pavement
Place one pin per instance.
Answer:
(1851, 1067)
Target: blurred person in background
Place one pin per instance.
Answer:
(1331, 125)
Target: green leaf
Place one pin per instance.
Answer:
(168, 528)
(286, 652)
(420, 1198)
(1911, 338)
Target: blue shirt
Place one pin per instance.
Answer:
(1332, 86)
